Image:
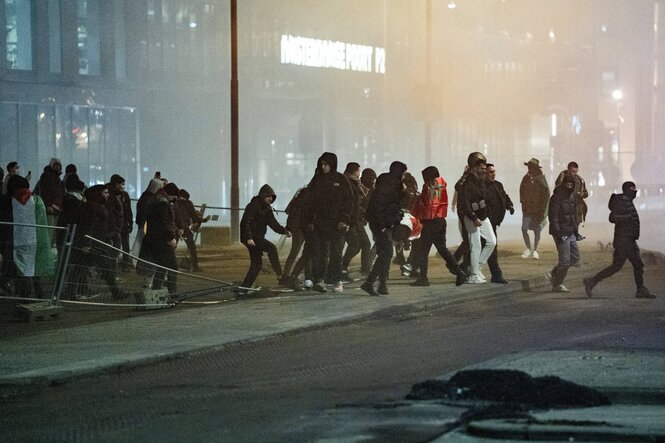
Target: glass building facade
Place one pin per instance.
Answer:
(139, 86)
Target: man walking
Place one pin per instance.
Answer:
(431, 208)
(534, 194)
(472, 202)
(579, 195)
(383, 212)
(328, 212)
(498, 202)
(626, 232)
(562, 227)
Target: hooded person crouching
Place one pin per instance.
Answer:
(254, 224)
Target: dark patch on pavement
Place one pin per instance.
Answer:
(509, 386)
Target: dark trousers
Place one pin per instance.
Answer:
(161, 253)
(383, 240)
(493, 260)
(188, 237)
(357, 241)
(463, 251)
(625, 249)
(297, 241)
(327, 255)
(124, 241)
(256, 258)
(304, 263)
(434, 233)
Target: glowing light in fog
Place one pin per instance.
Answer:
(617, 94)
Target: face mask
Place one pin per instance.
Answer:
(631, 194)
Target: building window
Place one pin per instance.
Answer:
(18, 31)
(54, 41)
(88, 37)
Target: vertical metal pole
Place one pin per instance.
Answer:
(428, 82)
(63, 264)
(235, 186)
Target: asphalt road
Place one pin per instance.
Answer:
(278, 389)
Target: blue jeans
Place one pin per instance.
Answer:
(569, 255)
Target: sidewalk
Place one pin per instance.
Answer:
(63, 354)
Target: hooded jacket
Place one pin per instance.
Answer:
(330, 200)
(561, 212)
(50, 188)
(383, 209)
(160, 220)
(258, 216)
(95, 221)
(146, 198)
(624, 216)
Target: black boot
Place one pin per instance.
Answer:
(369, 288)
(383, 289)
(422, 281)
(589, 283)
(643, 292)
(461, 277)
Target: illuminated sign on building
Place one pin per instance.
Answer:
(303, 51)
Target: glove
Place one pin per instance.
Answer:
(511, 210)
(342, 227)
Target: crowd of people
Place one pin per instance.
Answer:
(331, 211)
(102, 215)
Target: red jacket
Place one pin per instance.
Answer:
(433, 202)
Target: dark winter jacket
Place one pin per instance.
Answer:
(383, 209)
(114, 208)
(581, 193)
(534, 195)
(624, 216)
(95, 221)
(258, 216)
(359, 195)
(330, 200)
(145, 200)
(51, 189)
(73, 213)
(561, 213)
(160, 220)
(472, 200)
(127, 215)
(498, 202)
(295, 210)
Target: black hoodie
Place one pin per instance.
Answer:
(330, 200)
(258, 216)
(383, 209)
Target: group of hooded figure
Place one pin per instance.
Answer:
(334, 208)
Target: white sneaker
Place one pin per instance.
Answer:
(476, 279)
(535, 255)
(308, 284)
(338, 287)
(526, 254)
(548, 276)
(560, 288)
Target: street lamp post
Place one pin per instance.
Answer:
(235, 186)
(428, 81)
